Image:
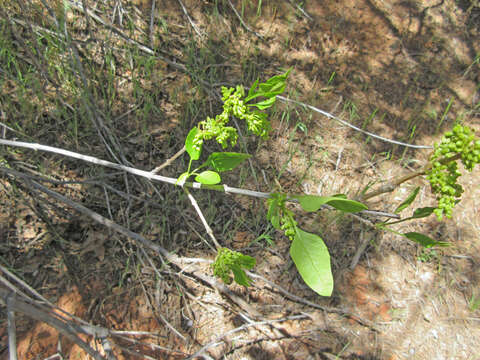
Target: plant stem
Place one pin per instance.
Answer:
(148, 175)
(392, 185)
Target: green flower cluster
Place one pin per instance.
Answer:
(233, 105)
(232, 261)
(443, 175)
(288, 224)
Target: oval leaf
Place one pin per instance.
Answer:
(407, 201)
(424, 240)
(422, 212)
(313, 203)
(225, 161)
(208, 178)
(265, 104)
(311, 257)
(189, 146)
(347, 205)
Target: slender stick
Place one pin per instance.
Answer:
(327, 114)
(389, 187)
(147, 174)
(219, 340)
(12, 329)
(243, 22)
(169, 161)
(34, 312)
(202, 218)
(190, 19)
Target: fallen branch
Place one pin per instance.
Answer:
(33, 311)
(149, 175)
(220, 339)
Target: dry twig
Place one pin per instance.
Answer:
(146, 174)
(243, 22)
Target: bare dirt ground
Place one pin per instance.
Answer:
(404, 70)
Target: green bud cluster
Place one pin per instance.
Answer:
(233, 105)
(288, 224)
(227, 261)
(443, 175)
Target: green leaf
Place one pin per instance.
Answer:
(182, 178)
(246, 261)
(208, 177)
(422, 212)
(424, 240)
(311, 257)
(240, 276)
(191, 150)
(273, 214)
(252, 88)
(272, 87)
(225, 161)
(265, 104)
(314, 202)
(408, 200)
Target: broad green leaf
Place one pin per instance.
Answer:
(347, 205)
(311, 257)
(189, 146)
(314, 202)
(208, 177)
(225, 161)
(423, 212)
(265, 104)
(424, 240)
(407, 201)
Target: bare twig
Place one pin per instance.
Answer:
(129, 40)
(36, 313)
(12, 329)
(176, 260)
(25, 285)
(366, 238)
(169, 161)
(219, 340)
(149, 175)
(327, 114)
(243, 22)
(152, 21)
(184, 9)
(202, 218)
(392, 185)
(312, 304)
(299, 8)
